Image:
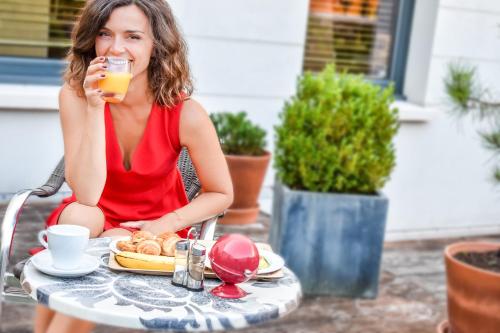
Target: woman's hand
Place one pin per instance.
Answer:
(167, 223)
(95, 72)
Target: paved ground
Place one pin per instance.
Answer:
(412, 296)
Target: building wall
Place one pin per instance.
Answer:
(246, 55)
(442, 182)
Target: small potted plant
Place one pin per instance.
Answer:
(334, 152)
(243, 144)
(473, 268)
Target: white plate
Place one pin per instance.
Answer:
(112, 245)
(43, 262)
(274, 260)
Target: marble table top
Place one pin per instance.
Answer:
(152, 303)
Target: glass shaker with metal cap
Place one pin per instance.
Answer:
(181, 262)
(196, 267)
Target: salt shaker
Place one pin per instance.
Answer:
(181, 261)
(196, 267)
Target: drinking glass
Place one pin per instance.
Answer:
(118, 75)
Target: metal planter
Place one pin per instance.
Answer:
(333, 242)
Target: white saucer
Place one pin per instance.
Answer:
(43, 262)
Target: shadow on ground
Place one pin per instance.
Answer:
(412, 297)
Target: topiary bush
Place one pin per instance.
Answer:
(336, 135)
(238, 135)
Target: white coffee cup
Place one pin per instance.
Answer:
(66, 243)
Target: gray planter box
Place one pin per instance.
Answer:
(333, 242)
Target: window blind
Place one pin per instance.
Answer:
(37, 28)
(355, 35)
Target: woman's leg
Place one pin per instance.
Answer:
(43, 316)
(66, 324)
(92, 218)
(86, 216)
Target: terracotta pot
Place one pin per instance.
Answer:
(473, 293)
(247, 174)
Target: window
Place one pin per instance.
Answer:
(368, 37)
(34, 37)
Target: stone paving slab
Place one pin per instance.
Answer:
(412, 297)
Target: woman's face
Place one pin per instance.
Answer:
(127, 34)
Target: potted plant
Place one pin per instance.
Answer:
(473, 268)
(334, 152)
(243, 144)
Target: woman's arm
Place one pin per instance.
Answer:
(198, 135)
(82, 122)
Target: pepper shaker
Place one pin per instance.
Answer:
(196, 267)
(181, 263)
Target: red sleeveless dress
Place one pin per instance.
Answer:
(153, 186)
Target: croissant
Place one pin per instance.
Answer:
(149, 246)
(139, 236)
(126, 245)
(159, 241)
(168, 245)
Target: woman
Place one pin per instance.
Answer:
(121, 158)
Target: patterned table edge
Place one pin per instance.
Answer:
(195, 319)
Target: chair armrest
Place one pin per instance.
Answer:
(54, 183)
(8, 227)
(207, 231)
(12, 213)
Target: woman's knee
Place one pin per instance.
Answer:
(87, 216)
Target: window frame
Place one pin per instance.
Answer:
(401, 30)
(38, 71)
(399, 54)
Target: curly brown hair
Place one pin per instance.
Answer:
(168, 71)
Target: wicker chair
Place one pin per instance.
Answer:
(10, 287)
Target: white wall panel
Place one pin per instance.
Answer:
(244, 69)
(478, 5)
(31, 146)
(467, 34)
(279, 21)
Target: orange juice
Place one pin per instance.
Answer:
(115, 83)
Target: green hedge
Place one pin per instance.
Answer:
(336, 135)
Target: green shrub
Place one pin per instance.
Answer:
(336, 135)
(238, 135)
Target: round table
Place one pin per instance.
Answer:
(152, 302)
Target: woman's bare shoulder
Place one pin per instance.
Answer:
(69, 98)
(194, 121)
(192, 113)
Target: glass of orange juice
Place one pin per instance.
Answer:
(118, 75)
